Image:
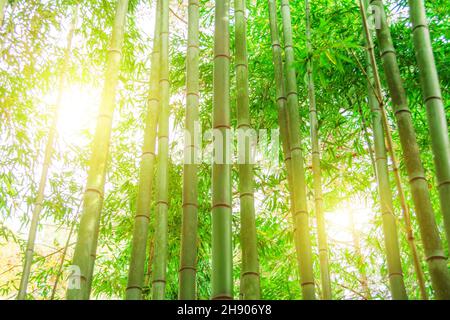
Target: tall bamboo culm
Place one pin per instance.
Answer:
(86, 247)
(356, 239)
(432, 97)
(419, 187)
(188, 259)
(402, 198)
(301, 218)
(374, 87)
(397, 285)
(281, 102)
(250, 283)
(318, 195)
(136, 270)
(222, 251)
(162, 204)
(28, 257)
(3, 5)
(62, 261)
(367, 139)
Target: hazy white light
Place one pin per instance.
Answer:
(77, 113)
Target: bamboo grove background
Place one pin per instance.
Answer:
(306, 60)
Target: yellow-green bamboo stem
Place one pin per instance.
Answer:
(397, 285)
(359, 257)
(61, 262)
(222, 252)
(282, 111)
(375, 90)
(366, 137)
(419, 187)
(317, 174)
(250, 285)
(162, 204)
(138, 251)
(188, 259)
(146, 292)
(86, 247)
(404, 205)
(281, 102)
(3, 6)
(300, 211)
(28, 258)
(432, 97)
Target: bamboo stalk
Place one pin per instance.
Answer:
(373, 84)
(86, 247)
(317, 174)
(432, 97)
(28, 258)
(138, 251)
(281, 104)
(359, 257)
(188, 259)
(3, 6)
(146, 292)
(419, 187)
(404, 205)
(397, 284)
(366, 137)
(301, 217)
(162, 205)
(61, 263)
(250, 277)
(222, 251)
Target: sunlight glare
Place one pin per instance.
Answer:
(77, 112)
(339, 223)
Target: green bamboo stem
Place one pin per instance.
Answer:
(250, 277)
(280, 93)
(419, 187)
(282, 111)
(136, 270)
(404, 205)
(397, 285)
(28, 258)
(401, 194)
(162, 204)
(359, 257)
(86, 247)
(375, 90)
(410, 236)
(3, 6)
(222, 251)
(188, 259)
(366, 137)
(317, 174)
(61, 262)
(146, 292)
(281, 102)
(298, 172)
(432, 97)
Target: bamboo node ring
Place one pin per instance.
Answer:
(187, 268)
(421, 25)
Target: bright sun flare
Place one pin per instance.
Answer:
(339, 221)
(77, 111)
